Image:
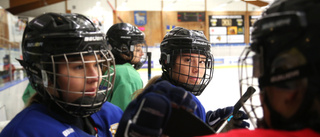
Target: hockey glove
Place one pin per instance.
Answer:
(216, 118)
(148, 114)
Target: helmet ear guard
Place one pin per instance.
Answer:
(165, 59)
(124, 48)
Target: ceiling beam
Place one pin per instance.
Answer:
(258, 3)
(16, 8)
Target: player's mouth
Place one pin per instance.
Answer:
(91, 92)
(194, 80)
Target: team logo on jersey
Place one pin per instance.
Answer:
(67, 132)
(113, 128)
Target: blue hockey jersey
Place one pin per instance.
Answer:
(200, 111)
(35, 121)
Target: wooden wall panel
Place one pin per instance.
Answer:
(171, 18)
(4, 29)
(155, 32)
(152, 28)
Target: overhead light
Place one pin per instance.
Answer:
(98, 3)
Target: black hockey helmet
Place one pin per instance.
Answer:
(285, 53)
(125, 39)
(51, 39)
(176, 43)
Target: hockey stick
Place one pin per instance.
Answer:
(236, 107)
(114, 11)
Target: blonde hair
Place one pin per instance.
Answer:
(150, 82)
(34, 98)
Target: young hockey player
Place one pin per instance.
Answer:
(129, 50)
(66, 60)
(187, 63)
(286, 61)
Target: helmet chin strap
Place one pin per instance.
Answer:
(138, 65)
(88, 100)
(194, 89)
(80, 111)
(84, 100)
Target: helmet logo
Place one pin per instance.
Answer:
(285, 76)
(200, 43)
(36, 44)
(38, 23)
(95, 38)
(125, 37)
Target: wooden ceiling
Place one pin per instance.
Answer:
(19, 6)
(258, 3)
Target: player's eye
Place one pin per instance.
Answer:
(78, 67)
(187, 60)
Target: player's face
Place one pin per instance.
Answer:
(189, 68)
(285, 101)
(79, 79)
(137, 53)
(285, 97)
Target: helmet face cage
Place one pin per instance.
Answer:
(67, 62)
(186, 59)
(139, 51)
(89, 99)
(248, 78)
(190, 69)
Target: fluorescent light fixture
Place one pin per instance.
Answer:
(98, 3)
(222, 5)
